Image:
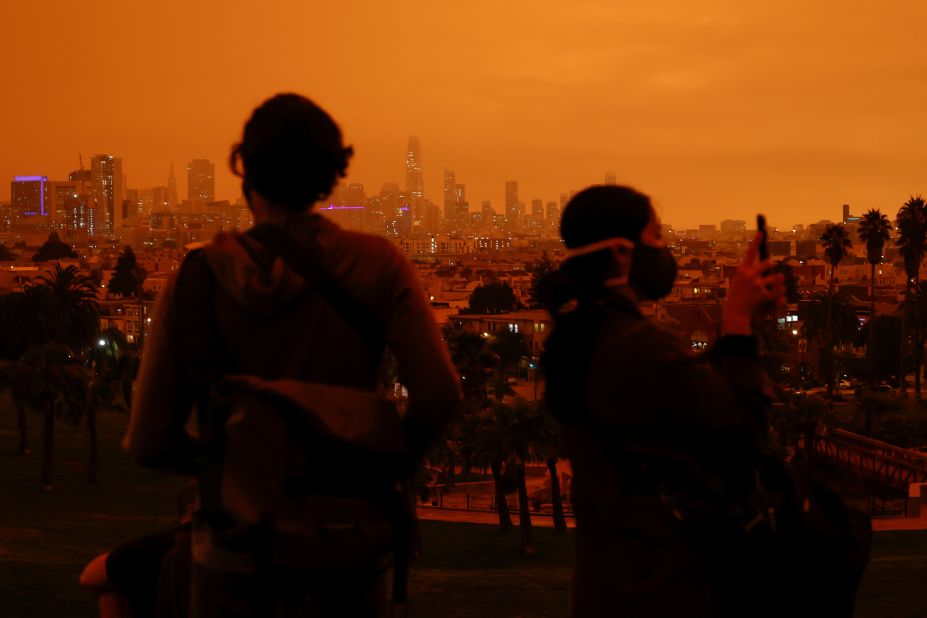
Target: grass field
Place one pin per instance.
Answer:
(466, 570)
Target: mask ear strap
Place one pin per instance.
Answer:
(617, 242)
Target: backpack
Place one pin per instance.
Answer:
(300, 480)
(790, 537)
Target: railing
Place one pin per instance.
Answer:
(487, 503)
(873, 459)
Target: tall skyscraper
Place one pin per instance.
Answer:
(108, 187)
(512, 210)
(450, 197)
(172, 188)
(201, 181)
(461, 208)
(415, 183)
(553, 218)
(29, 196)
(611, 178)
(80, 213)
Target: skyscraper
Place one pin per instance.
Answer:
(512, 211)
(611, 178)
(108, 187)
(201, 181)
(172, 188)
(450, 197)
(415, 183)
(461, 208)
(29, 196)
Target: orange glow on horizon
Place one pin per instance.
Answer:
(718, 109)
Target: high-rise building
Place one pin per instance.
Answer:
(512, 208)
(415, 183)
(108, 190)
(553, 218)
(610, 178)
(61, 197)
(846, 213)
(201, 181)
(29, 196)
(450, 197)
(79, 213)
(172, 188)
(461, 208)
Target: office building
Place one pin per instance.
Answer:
(201, 181)
(512, 208)
(415, 184)
(29, 196)
(450, 198)
(108, 191)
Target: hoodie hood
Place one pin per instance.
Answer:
(257, 279)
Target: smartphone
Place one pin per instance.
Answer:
(761, 228)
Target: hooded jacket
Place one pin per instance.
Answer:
(274, 326)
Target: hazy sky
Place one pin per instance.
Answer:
(718, 109)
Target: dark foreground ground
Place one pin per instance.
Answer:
(466, 569)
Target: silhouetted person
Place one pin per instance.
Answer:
(646, 422)
(303, 310)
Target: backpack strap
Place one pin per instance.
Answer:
(306, 260)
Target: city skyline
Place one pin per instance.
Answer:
(716, 110)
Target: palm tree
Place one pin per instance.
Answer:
(71, 315)
(491, 450)
(874, 230)
(550, 437)
(912, 244)
(829, 318)
(49, 380)
(836, 244)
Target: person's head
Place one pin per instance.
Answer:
(291, 154)
(613, 237)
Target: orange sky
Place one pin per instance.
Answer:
(718, 109)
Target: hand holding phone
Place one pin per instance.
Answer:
(761, 228)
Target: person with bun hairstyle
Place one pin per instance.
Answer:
(294, 303)
(650, 428)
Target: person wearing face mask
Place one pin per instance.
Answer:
(647, 425)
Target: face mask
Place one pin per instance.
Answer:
(653, 271)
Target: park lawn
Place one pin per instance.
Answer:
(465, 569)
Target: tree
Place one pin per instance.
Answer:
(912, 244)
(510, 347)
(475, 363)
(7, 254)
(491, 450)
(874, 231)
(829, 320)
(550, 436)
(49, 380)
(54, 249)
(836, 244)
(494, 297)
(791, 280)
(542, 269)
(127, 281)
(510, 436)
(70, 315)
